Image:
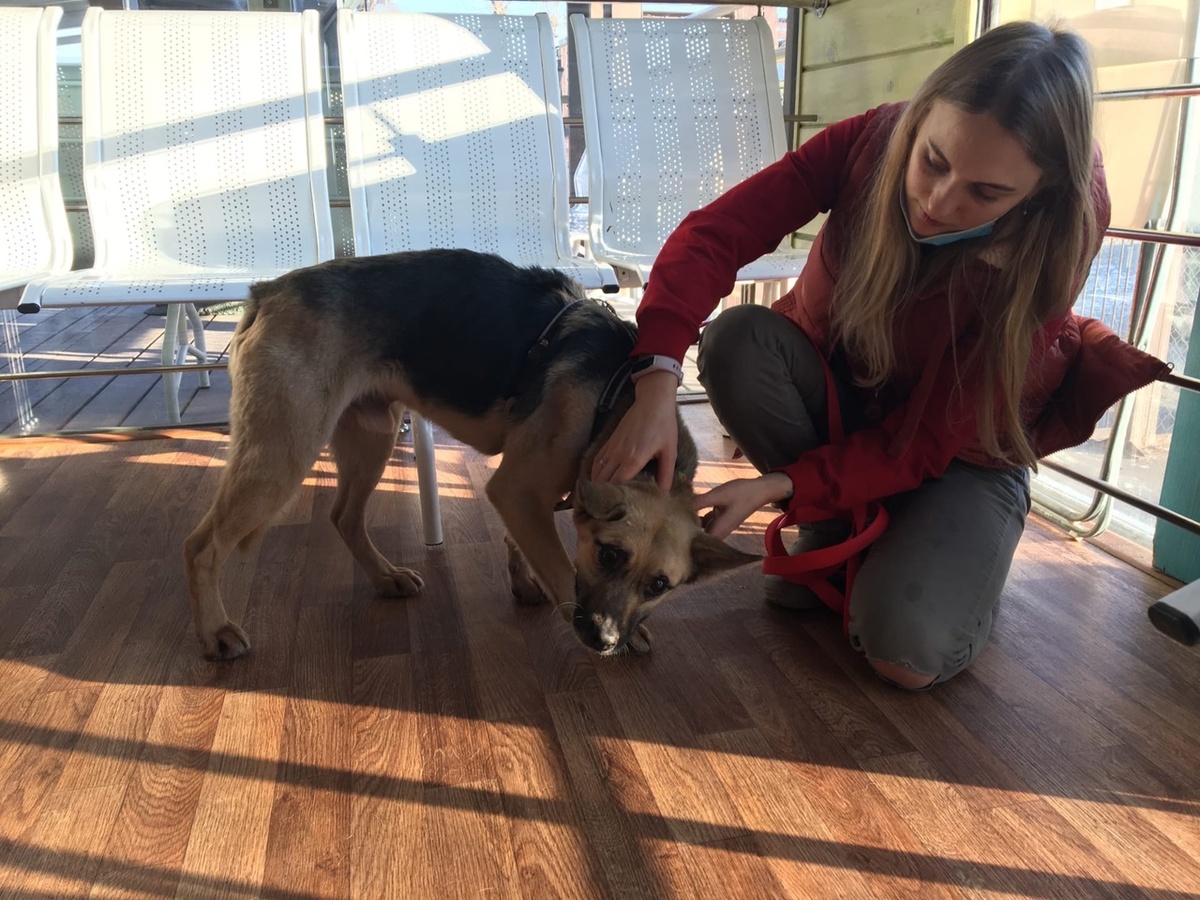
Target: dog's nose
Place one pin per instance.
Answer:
(598, 631)
(607, 631)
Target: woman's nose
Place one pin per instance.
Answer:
(940, 203)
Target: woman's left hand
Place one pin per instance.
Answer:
(733, 502)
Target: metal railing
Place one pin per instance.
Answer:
(1145, 307)
(1098, 514)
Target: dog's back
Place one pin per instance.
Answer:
(455, 324)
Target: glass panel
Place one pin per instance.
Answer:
(1150, 146)
(1108, 296)
(1142, 143)
(1134, 45)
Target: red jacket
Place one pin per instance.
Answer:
(1078, 367)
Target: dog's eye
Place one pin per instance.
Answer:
(610, 557)
(658, 586)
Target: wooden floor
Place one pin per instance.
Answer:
(83, 338)
(457, 746)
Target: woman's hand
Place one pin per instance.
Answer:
(733, 502)
(647, 431)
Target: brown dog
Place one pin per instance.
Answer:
(508, 360)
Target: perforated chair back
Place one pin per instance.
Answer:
(454, 137)
(36, 238)
(204, 160)
(676, 112)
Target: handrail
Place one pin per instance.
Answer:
(110, 370)
(1100, 510)
(1172, 90)
(1151, 236)
(1183, 381)
(1154, 509)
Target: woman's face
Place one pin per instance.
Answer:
(964, 170)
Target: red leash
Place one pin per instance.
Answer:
(814, 568)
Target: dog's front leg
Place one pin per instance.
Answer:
(525, 587)
(527, 508)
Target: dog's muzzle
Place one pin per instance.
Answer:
(597, 631)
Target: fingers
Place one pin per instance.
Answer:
(616, 465)
(724, 523)
(626, 470)
(646, 432)
(731, 504)
(618, 468)
(717, 497)
(666, 469)
(602, 467)
(719, 523)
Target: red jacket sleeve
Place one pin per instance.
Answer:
(1103, 369)
(865, 466)
(699, 261)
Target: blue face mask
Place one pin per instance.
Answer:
(937, 240)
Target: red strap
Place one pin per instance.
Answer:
(814, 568)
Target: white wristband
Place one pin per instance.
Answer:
(647, 364)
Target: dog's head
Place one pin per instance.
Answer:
(636, 544)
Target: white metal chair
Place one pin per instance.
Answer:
(204, 163)
(36, 237)
(675, 112)
(454, 138)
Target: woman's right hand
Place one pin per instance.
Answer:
(649, 430)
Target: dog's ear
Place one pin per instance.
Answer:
(599, 500)
(711, 556)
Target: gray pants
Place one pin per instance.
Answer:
(924, 596)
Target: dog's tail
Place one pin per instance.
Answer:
(253, 307)
(249, 317)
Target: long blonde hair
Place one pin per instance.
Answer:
(1036, 81)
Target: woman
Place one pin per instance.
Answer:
(938, 296)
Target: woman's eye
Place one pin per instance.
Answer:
(932, 165)
(984, 197)
(658, 586)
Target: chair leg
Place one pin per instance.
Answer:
(198, 348)
(170, 357)
(431, 510)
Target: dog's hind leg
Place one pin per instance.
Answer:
(274, 446)
(362, 450)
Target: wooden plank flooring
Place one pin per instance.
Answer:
(82, 338)
(455, 745)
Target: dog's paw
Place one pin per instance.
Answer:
(525, 589)
(528, 592)
(399, 582)
(639, 641)
(227, 642)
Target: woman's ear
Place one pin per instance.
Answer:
(1030, 204)
(1041, 196)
